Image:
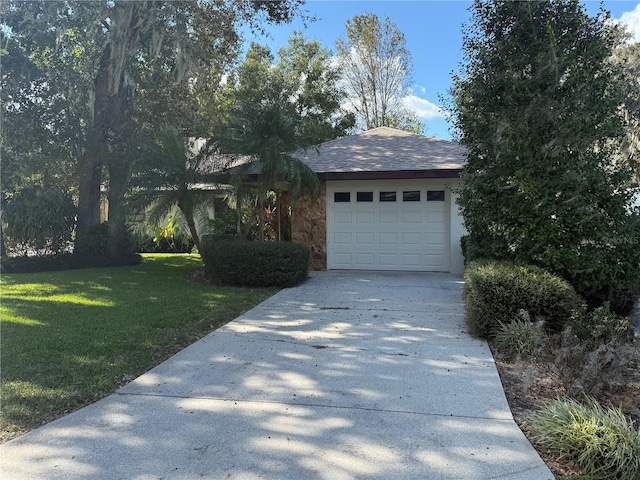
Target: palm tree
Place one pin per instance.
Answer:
(268, 138)
(279, 108)
(172, 172)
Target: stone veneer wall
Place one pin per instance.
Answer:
(309, 226)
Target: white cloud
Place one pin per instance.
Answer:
(423, 108)
(631, 20)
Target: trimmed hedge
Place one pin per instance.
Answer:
(61, 261)
(255, 264)
(495, 293)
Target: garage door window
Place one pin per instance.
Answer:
(387, 196)
(342, 197)
(435, 195)
(411, 196)
(364, 196)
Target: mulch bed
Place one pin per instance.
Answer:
(527, 386)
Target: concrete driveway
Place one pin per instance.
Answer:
(352, 375)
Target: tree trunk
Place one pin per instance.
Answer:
(89, 193)
(110, 124)
(193, 230)
(117, 249)
(283, 216)
(261, 217)
(3, 249)
(239, 214)
(186, 207)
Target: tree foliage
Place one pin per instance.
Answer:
(173, 174)
(94, 67)
(628, 56)
(277, 107)
(537, 104)
(376, 67)
(301, 85)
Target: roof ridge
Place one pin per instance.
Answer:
(365, 132)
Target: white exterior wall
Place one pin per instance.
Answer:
(457, 231)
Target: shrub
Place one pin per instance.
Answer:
(39, 220)
(225, 223)
(621, 299)
(496, 291)
(602, 442)
(600, 326)
(61, 261)
(470, 250)
(92, 243)
(169, 235)
(596, 350)
(259, 264)
(521, 338)
(90, 249)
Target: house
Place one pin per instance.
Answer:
(387, 202)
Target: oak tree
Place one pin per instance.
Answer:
(101, 53)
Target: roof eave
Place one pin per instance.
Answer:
(391, 175)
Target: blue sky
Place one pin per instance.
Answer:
(433, 31)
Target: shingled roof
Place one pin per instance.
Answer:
(385, 152)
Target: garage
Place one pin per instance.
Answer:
(388, 225)
(387, 202)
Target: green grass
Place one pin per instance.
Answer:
(71, 337)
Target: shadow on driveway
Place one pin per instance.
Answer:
(351, 375)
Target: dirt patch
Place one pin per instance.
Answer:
(198, 276)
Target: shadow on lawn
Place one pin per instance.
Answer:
(71, 337)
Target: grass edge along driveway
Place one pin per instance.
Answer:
(70, 338)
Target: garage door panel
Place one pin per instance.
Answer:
(342, 238)
(414, 216)
(364, 260)
(388, 259)
(412, 239)
(436, 216)
(365, 217)
(412, 260)
(365, 238)
(342, 217)
(388, 238)
(388, 217)
(342, 260)
(435, 261)
(436, 239)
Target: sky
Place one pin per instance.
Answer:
(433, 32)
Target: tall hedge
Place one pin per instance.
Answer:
(537, 105)
(255, 264)
(496, 291)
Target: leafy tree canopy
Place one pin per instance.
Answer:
(277, 107)
(91, 70)
(537, 104)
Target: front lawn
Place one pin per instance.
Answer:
(69, 338)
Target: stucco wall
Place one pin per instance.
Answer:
(457, 230)
(309, 226)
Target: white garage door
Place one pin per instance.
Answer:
(388, 225)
